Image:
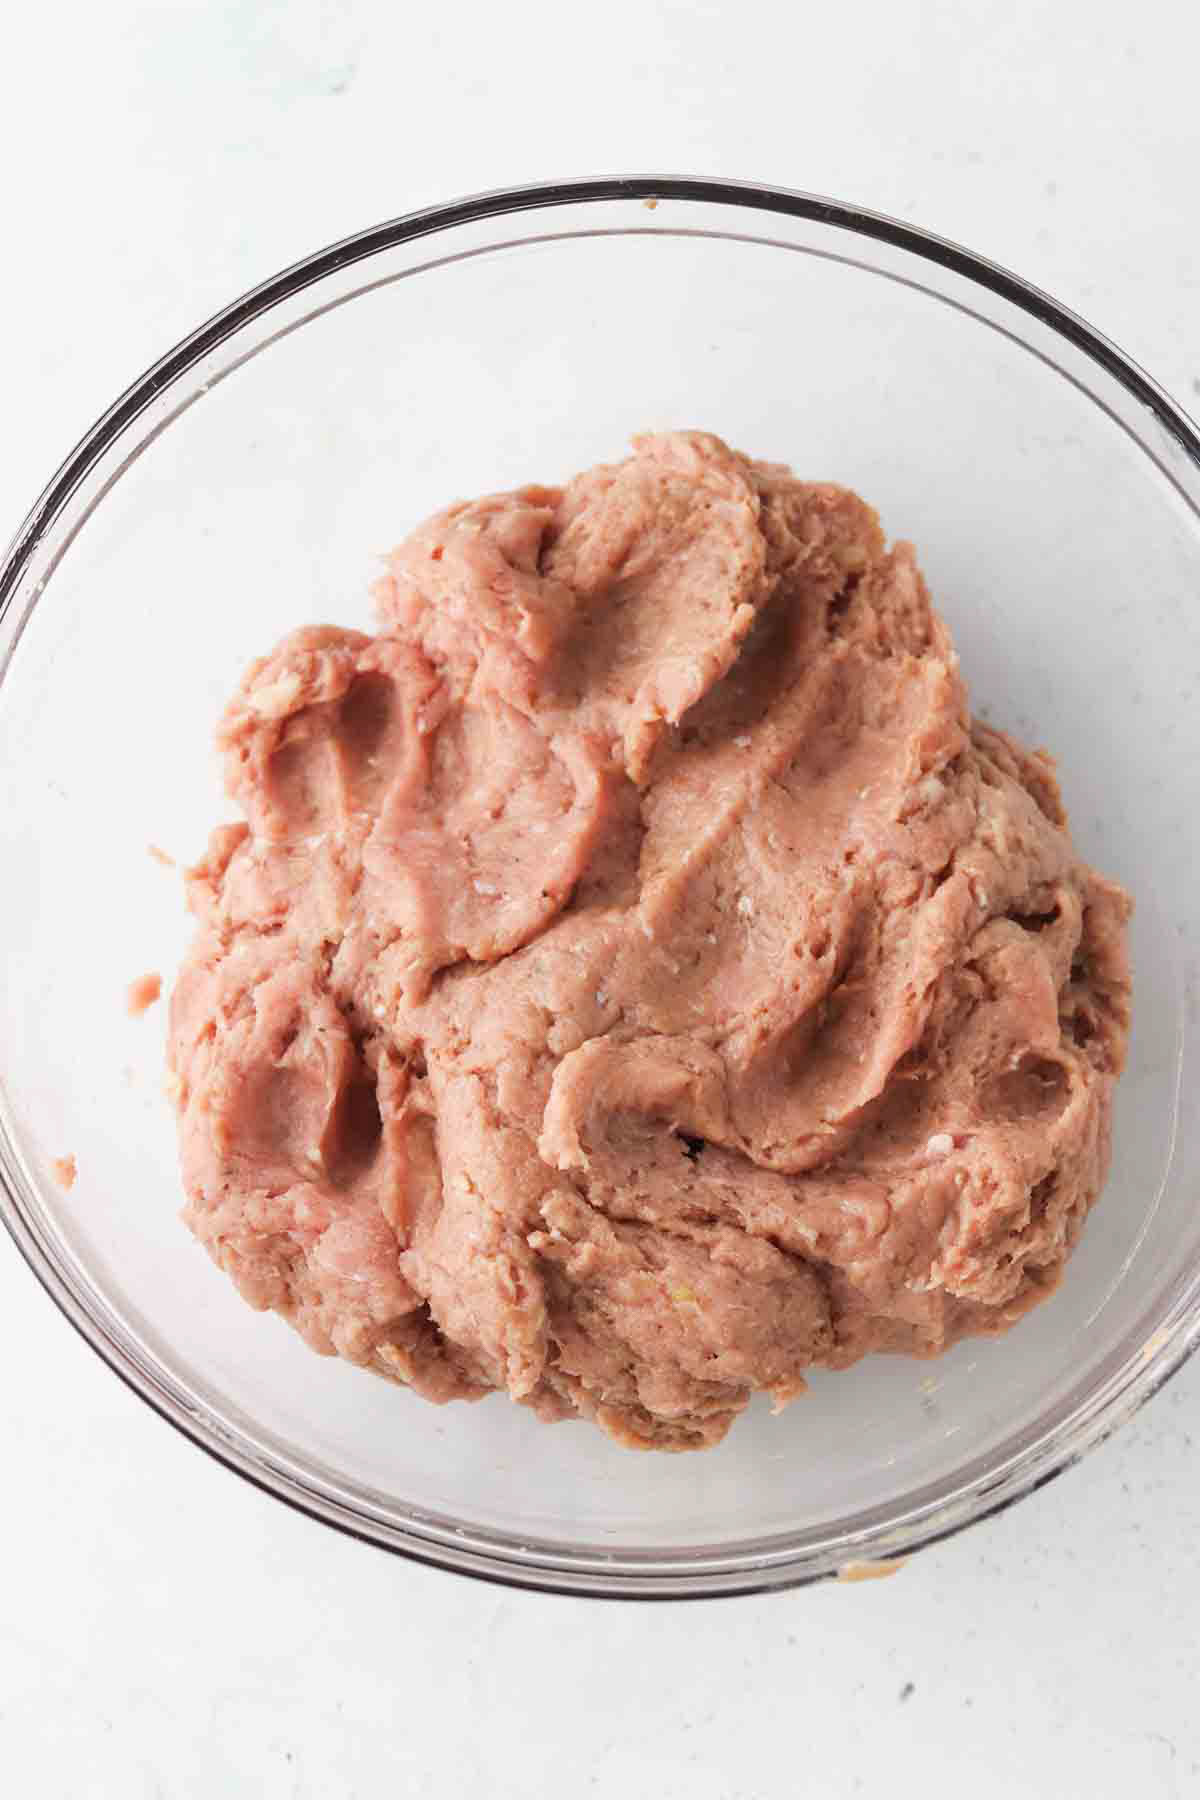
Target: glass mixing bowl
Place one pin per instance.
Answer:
(246, 484)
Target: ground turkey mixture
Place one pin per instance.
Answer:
(637, 980)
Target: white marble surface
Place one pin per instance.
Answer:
(167, 1631)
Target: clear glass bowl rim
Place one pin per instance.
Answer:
(490, 1556)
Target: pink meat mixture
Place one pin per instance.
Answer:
(637, 981)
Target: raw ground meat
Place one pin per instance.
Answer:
(637, 980)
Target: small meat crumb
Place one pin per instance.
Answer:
(871, 1571)
(160, 856)
(65, 1171)
(142, 994)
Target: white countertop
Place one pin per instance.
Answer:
(165, 1629)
